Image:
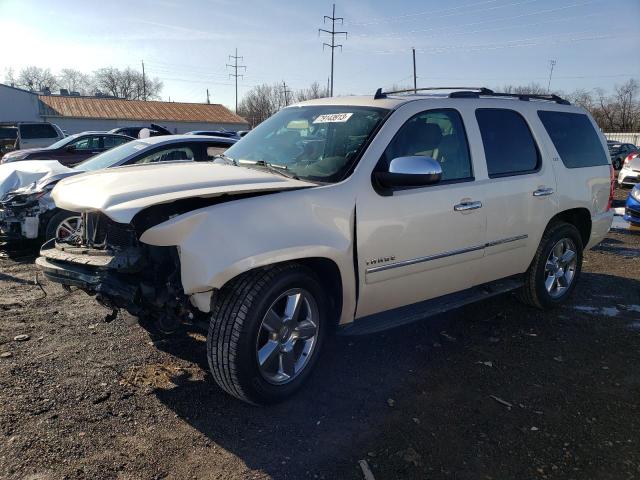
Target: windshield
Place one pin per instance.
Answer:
(112, 157)
(63, 142)
(316, 143)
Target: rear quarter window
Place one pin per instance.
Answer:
(575, 139)
(37, 130)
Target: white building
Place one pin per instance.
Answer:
(75, 114)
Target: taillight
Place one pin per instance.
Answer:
(630, 157)
(612, 187)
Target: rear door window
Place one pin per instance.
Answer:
(575, 139)
(37, 130)
(169, 154)
(509, 146)
(110, 142)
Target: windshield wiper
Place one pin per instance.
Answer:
(279, 169)
(226, 158)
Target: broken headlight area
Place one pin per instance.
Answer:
(104, 258)
(20, 222)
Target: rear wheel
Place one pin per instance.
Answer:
(266, 331)
(62, 225)
(555, 269)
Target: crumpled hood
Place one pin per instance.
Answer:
(14, 176)
(122, 192)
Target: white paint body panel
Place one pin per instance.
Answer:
(122, 192)
(17, 175)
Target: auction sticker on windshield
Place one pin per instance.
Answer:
(333, 118)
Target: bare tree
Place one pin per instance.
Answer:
(627, 106)
(314, 91)
(75, 81)
(531, 89)
(36, 79)
(128, 84)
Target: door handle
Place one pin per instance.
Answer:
(543, 192)
(465, 206)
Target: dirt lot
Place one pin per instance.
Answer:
(490, 391)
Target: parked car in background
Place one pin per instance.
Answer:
(632, 207)
(70, 150)
(154, 130)
(619, 151)
(215, 133)
(629, 174)
(242, 133)
(27, 210)
(8, 138)
(353, 213)
(37, 134)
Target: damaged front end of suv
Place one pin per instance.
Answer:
(106, 259)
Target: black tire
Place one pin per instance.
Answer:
(236, 316)
(54, 221)
(534, 292)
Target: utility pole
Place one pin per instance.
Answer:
(552, 63)
(286, 93)
(144, 84)
(208, 96)
(415, 78)
(333, 34)
(235, 66)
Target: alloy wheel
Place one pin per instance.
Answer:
(67, 227)
(560, 268)
(287, 336)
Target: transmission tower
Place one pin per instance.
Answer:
(552, 63)
(235, 74)
(333, 34)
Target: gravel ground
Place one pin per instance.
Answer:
(490, 391)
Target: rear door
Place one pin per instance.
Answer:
(521, 194)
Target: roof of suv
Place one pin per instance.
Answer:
(393, 100)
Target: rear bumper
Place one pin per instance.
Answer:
(628, 177)
(600, 225)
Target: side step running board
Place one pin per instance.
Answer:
(419, 311)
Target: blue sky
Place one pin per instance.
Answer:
(186, 44)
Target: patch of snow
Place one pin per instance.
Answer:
(618, 211)
(607, 311)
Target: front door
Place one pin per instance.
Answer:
(420, 243)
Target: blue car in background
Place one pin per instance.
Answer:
(632, 207)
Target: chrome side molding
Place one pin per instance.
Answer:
(437, 256)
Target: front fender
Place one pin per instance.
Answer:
(219, 242)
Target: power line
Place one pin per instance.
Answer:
(415, 78)
(552, 63)
(235, 74)
(144, 83)
(333, 34)
(286, 93)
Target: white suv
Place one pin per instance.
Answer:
(356, 214)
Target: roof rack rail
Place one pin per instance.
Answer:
(477, 92)
(380, 94)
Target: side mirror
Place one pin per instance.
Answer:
(414, 171)
(71, 148)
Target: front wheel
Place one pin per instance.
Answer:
(62, 225)
(267, 328)
(555, 269)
